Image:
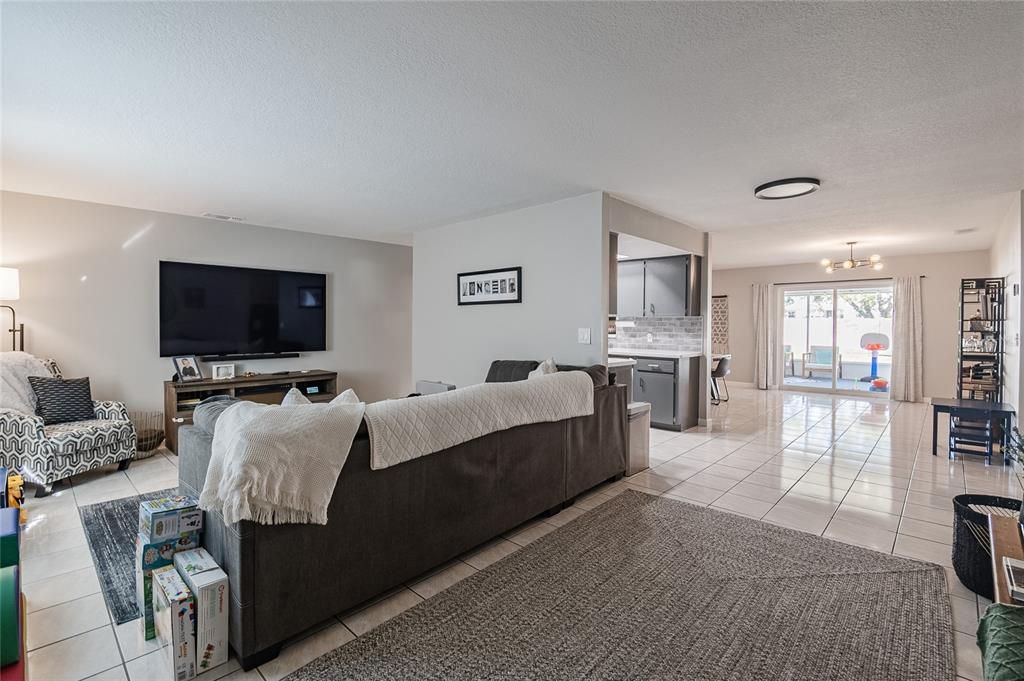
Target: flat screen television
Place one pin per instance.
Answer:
(215, 310)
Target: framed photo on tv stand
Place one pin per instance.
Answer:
(188, 369)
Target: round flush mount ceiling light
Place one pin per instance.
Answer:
(787, 189)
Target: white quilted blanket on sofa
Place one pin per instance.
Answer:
(279, 464)
(401, 430)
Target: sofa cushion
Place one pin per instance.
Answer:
(207, 412)
(78, 436)
(506, 370)
(62, 400)
(598, 372)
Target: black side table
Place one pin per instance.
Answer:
(978, 410)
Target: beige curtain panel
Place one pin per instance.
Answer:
(764, 337)
(908, 341)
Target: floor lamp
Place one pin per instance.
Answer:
(10, 289)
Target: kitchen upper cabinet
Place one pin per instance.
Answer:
(665, 287)
(630, 295)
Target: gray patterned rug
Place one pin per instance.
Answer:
(110, 530)
(649, 588)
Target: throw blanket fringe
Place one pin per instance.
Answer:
(402, 430)
(276, 464)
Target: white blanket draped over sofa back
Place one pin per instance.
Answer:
(402, 430)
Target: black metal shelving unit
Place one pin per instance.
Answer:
(980, 362)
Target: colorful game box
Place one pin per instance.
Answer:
(149, 557)
(169, 517)
(175, 615)
(209, 586)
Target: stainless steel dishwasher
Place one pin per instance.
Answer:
(655, 381)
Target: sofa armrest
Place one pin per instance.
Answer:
(110, 411)
(20, 435)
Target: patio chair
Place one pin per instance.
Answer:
(820, 359)
(788, 361)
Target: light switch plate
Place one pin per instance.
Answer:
(583, 335)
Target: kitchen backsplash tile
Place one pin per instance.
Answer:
(666, 333)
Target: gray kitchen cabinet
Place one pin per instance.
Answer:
(660, 390)
(630, 294)
(665, 287)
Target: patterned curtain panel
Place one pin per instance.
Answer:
(720, 324)
(764, 337)
(907, 341)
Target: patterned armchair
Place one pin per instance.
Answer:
(46, 454)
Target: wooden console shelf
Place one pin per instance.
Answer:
(1006, 541)
(181, 398)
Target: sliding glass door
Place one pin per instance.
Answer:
(836, 338)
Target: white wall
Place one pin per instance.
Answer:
(89, 293)
(562, 249)
(939, 291)
(625, 218)
(1005, 258)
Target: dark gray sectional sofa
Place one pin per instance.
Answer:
(386, 527)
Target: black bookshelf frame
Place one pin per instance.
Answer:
(982, 318)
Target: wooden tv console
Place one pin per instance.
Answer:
(181, 398)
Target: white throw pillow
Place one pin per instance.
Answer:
(347, 397)
(293, 398)
(548, 366)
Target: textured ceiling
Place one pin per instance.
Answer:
(376, 120)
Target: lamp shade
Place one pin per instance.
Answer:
(10, 288)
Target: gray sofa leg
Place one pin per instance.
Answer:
(256, 659)
(123, 465)
(43, 490)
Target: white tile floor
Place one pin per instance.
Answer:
(857, 470)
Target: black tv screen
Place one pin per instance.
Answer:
(214, 310)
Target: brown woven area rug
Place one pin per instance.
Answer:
(650, 588)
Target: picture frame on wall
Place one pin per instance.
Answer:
(187, 368)
(490, 287)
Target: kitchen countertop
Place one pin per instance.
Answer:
(660, 354)
(615, 363)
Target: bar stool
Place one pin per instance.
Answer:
(720, 372)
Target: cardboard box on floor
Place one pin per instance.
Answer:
(174, 614)
(209, 586)
(149, 557)
(169, 517)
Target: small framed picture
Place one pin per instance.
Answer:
(187, 367)
(490, 287)
(222, 371)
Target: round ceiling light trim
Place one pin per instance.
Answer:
(790, 188)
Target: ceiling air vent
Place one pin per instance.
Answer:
(225, 218)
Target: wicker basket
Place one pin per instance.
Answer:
(149, 429)
(972, 546)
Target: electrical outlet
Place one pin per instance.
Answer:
(583, 335)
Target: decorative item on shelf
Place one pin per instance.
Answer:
(489, 287)
(874, 261)
(10, 289)
(149, 429)
(188, 368)
(222, 371)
